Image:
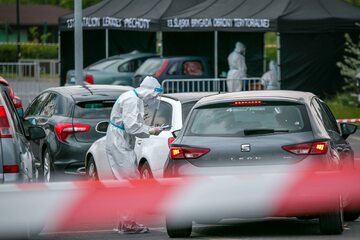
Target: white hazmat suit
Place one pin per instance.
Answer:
(127, 123)
(270, 78)
(237, 68)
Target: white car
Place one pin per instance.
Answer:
(151, 152)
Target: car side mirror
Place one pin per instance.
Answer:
(102, 127)
(36, 133)
(347, 129)
(176, 133)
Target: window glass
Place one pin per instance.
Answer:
(104, 64)
(94, 109)
(150, 67)
(173, 69)
(328, 117)
(163, 115)
(36, 105)
(127, 67)
(232, 120)
(49, 106)
(13, 114)
(193, 68)
(186, 107)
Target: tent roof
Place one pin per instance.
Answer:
(143, 15)
(221, 15)
(319, 16)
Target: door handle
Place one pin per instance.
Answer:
(139, 142)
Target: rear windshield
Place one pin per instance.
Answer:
(229, 119)
(94, 109)
(150, 67)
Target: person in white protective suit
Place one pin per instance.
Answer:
(237, 68)
(127, 123)
(270, 79)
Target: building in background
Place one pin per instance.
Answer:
(38, 23)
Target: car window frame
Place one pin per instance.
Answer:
(16, 121)
(32, 104)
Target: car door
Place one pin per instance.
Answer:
(155, 148)
(343, 146)
(337, 142)
(31, 118)
(22, 145)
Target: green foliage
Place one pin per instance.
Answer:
(350, 66)
(28, 51)
(344, 106)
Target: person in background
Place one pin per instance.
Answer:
(127, 123)
(270, 79)
(237, 68)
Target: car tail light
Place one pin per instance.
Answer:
(64, 130)
(89, 79)
(10, 169)
(314, 148)
(17, 102)
(5, 131)
(170, 141)
(187, 153)
(163, 68)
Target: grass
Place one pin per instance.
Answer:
(344, 106)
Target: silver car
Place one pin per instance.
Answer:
(261, 131)
(17, 162)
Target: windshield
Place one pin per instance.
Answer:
(232, 120)
(104, 64)
(150, 67)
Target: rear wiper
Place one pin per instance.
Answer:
(263, 131)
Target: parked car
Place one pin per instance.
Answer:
(17, 161)
(151, 152)
(69, 116)
(184, 67)
(115, 70)
(241, 132)
(16, 100)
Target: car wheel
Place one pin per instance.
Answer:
(145, 171)
(332, 223)
(47, 169)
(91, 171)
(178, 228)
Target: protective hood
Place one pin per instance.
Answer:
(149, 89)
(240, 48)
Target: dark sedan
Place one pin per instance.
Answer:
(69, 116)
(263, 132)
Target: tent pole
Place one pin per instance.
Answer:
(78, 43)
(216, 54)
(278, 56)
(264, 54)
(107, 43)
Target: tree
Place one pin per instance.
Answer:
(350, 66)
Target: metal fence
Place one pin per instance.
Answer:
(208, 85)
(28, 79)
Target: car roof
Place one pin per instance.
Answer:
(90, 92)
(188, 97)
(297, 96)
(174, 58)
(132, 55)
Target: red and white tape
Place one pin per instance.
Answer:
(68, 206)
(353, 120)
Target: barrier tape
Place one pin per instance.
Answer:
(353, 120)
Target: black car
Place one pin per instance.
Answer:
(69, 116)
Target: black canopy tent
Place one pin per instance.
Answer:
(114, 27)
(215, 26)
(312, 41)
(211, 28)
